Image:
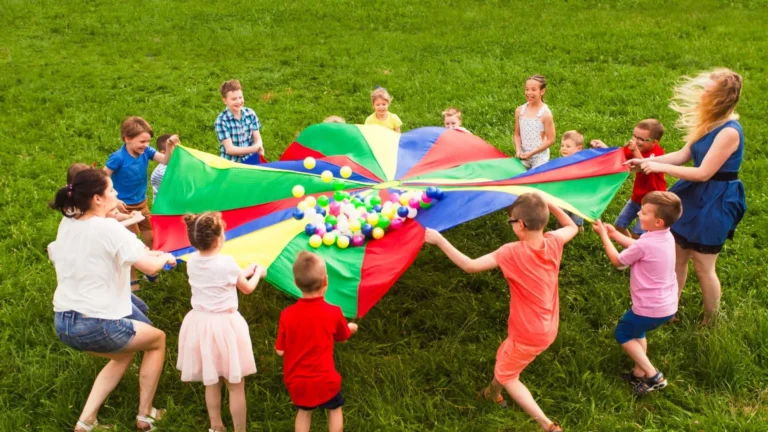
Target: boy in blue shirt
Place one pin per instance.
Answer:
(237, 127)
(128, 169)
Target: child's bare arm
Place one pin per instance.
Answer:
(618, 237)
(279, 352)
(517, 139)
(569, 228)
(469, 265)
(250, 277)
(128, 220)
(610, 249)
(152, 263)
(258, 142)
(163, 158)
(352, 328)
(397, 129)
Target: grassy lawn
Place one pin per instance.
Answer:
(70, 71)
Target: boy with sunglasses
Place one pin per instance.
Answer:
(644, 144)
(531, 267)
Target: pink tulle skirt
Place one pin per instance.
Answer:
(213, 345)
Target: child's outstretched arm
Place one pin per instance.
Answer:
(469, 265)
(250, 277)
(618, 237)
(171, 144)
(569, 228)
(610, 249)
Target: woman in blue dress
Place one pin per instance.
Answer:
(712, 194)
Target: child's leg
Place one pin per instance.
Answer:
(636, 350)
(524, 398)
(303, 420)
(237, 404)
(638, 371)
(213, 403)
(626, 217)
(335, 420)
(495, 389)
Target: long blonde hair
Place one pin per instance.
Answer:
(702, 110)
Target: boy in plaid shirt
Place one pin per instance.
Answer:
(237, 127)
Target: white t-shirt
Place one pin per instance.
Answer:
(213, 280)
(93, 261)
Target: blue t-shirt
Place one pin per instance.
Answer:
(129, 174)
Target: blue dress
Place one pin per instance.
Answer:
(711, 209)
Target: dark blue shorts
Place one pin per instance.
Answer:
(335, 402)
(93, 334)
(628, 215)
(633, 326)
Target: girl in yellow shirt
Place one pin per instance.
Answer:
(381, 99)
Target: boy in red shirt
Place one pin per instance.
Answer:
(644, 144)
(531, 267)
(305, 338)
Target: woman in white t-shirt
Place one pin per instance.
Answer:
(93, 256)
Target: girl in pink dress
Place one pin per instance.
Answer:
(214, 342)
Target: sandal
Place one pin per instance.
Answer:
(138, 287)
(555, 427)
(150, 419)
(485, 395)
(151, 279)
(82, 426)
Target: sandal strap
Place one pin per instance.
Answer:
(85, 426)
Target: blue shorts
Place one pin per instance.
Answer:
(93, 334)
(335, 402)
(633, 326)
(628, 215)
(139, 310)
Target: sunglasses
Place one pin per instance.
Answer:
(511, 222)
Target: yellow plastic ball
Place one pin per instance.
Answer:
(315, 241)
(298, 191)
(346, 171)
(311, 201)
(326, 176)
(404, 199)
(378, 233)
(310, 163)
(354, 225)
(342, 242)
(329, 239)
(373, 219)
(303, 206)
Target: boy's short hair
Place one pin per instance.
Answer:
(452, 112)
(229, 86)
(309, 272)
(653, 126)
(575, 136)
(74, 169)
(162, 142)
(531, 209)
(334, 119)
(669, 208)
(135, 126)
(381, 93)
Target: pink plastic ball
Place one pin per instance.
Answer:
(320, 231)
(334, 208)
(413, 203)
(396, 224)
(394, 197)
(358, 240)
(425, 199)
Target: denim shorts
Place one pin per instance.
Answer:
(335, 402)
(633, 326)
(93, 334)
(628, 215)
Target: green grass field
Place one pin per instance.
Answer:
(70, 71)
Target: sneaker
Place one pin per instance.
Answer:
(647, 385)
(555, 427)
(485, 395)
(631, 378)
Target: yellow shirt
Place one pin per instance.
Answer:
(391, 122)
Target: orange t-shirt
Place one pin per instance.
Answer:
(534, 305)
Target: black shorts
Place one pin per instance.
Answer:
(335, 402)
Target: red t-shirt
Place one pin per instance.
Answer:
(306, 333)
(645, 183)
(534, 306)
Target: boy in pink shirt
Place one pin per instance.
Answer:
(652, 282)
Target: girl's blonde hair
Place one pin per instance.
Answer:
(381, 93)
(701, 109)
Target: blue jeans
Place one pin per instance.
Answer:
(628, 215)
(93, 334)
(139, 310)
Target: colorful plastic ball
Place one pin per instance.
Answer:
(412, 213)
(346, 171)
(328, 227)
(404, 199)
(432, 192)
(309, 229)
(426, 199)
(320, 211)
(298, 214)
(310, 163)
(320, 230)
(369, 207)
(338, 185)
(326, 176)
(425, 205)
(334, 208)
(367, 229)
(375, 200)
(318, 220)
(339, 196)
(329, 239)
(331, 219)
(311, 201)
(342, 242)
(440, 195)
(354, 225)
(383, 223)
(315, 241)
(358, 240)
(402, 211)
(298, 191)
(357, 202)
(378, 233)
(377, 208)
(322, 200)
(302, 205)
(373, 219)
(413, 203)
(396, 224)
(394, 197)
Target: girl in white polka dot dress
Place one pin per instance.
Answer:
(534, 126)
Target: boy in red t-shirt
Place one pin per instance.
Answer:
(305, 338)
(644, 144)
(531, 267)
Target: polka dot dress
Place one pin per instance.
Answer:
(530, 134)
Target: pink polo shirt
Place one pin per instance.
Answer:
(652, 281)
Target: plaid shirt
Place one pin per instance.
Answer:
(239, 131)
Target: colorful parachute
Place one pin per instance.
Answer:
(258, 206)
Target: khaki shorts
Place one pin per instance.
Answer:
(511, 358)
(144, 225)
